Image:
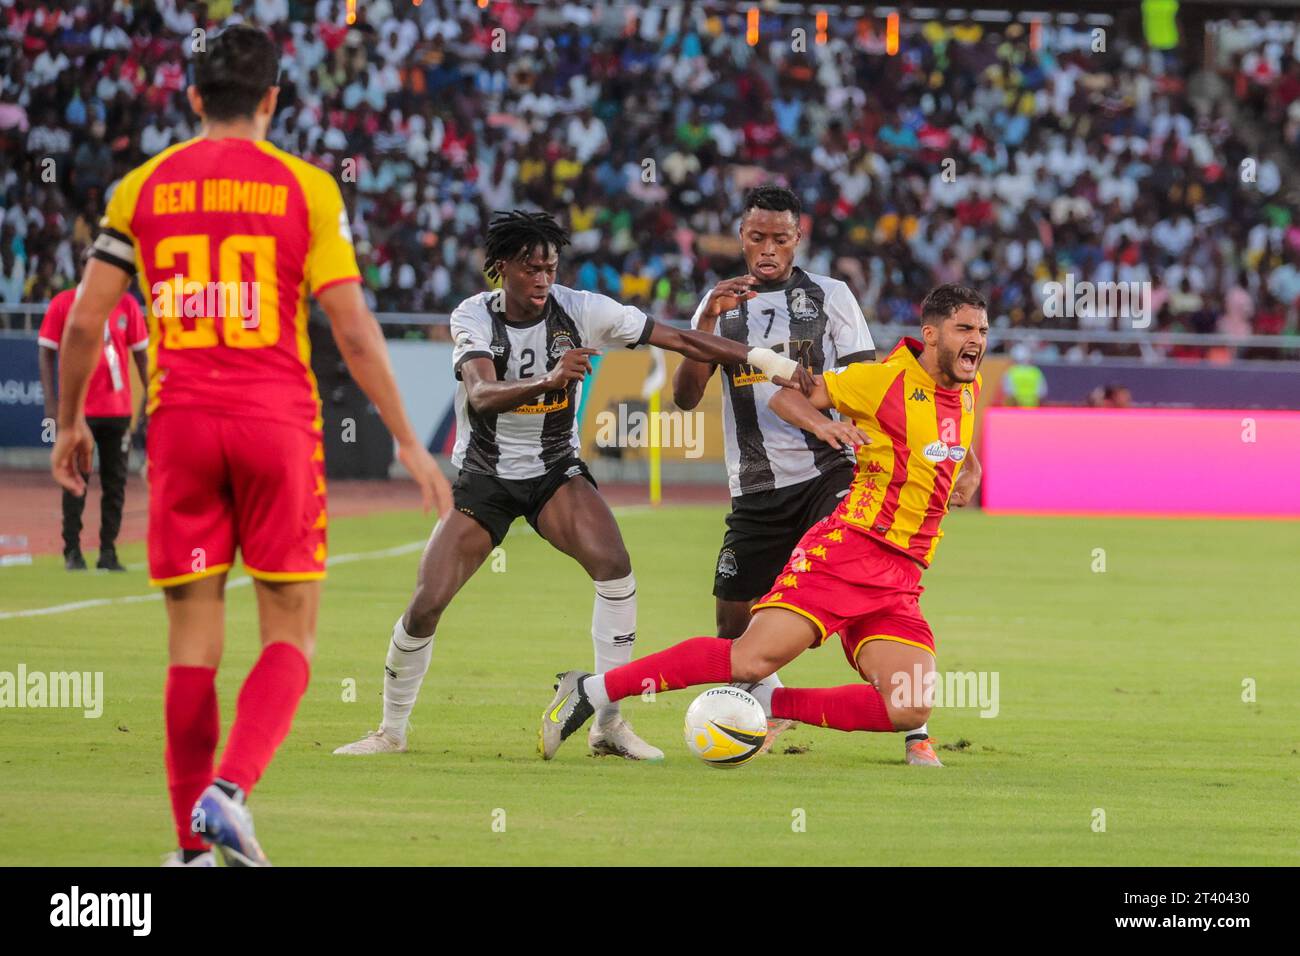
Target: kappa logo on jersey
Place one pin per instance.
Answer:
(560, 344)
(956, 453)
(802, 307)
(936, 451)
(875, 468)
(727, 566)
(918, 395)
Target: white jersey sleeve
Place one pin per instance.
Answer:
(604, 322)
(471, 331)
(847, 326)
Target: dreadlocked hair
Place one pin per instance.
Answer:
(515, 234)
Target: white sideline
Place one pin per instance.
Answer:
(393, 552)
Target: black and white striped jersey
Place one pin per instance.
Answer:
(814, 319)
(528, 440)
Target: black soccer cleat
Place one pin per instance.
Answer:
(108, 560)
(73, 560)
(568, 710)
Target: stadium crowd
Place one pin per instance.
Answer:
(973, 154)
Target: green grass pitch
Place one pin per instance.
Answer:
(1120, 691)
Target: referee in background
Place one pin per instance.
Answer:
(108, 413)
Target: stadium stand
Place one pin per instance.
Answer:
(644, 133)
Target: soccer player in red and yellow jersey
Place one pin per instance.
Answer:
(857, 572)
(229, 236)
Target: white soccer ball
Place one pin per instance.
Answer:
(725, 727)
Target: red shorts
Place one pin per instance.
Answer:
(848, 583)
(217, 483)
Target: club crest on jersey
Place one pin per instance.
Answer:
(802, 307)
(560, 344)
(936, 451)
(967, 399)
(121, 322)
(727, 566)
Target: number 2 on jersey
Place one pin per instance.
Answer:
(249, 311)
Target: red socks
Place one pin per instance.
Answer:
(698, 660)
(193, 729)
(851, 707)
(264, 714)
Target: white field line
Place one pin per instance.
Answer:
(394, 552)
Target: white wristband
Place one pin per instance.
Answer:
(771, 363)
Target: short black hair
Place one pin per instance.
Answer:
(775, 198)
(943, 300)
(515, 234)
(233, 74)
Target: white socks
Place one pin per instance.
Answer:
(920, 733)
(597, 695)
(404, 670)
(613, 631)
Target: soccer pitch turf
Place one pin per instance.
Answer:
(1119, 692)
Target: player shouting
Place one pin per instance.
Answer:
(521, 354)
(857, 572)
(782, 478)
(228, 235)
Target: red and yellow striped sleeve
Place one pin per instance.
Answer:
(858, 389)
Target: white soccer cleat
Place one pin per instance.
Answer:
(207, 858)
(376, 742)
(616, 739)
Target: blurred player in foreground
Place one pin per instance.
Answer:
(856, 572)
(521, 355)
(228, 235)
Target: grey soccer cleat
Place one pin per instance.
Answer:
(568, 710)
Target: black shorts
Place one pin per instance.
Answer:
(495, 502)
(764, 527)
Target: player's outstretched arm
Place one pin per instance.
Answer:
(703, 347)
(102, 286)
(806, 412)
(361, 344)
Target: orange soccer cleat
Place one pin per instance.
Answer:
(920, 753)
